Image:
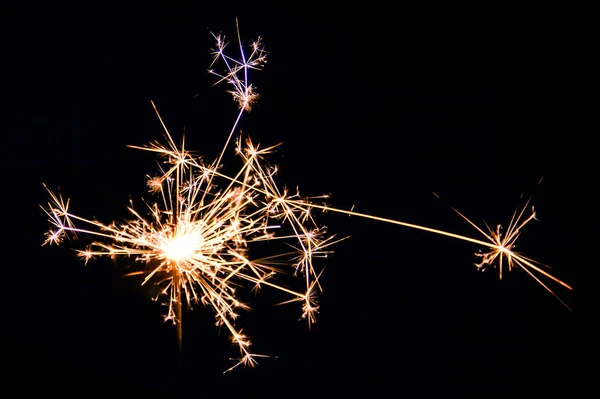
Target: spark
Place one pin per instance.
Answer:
(197, 241)
(236, 74)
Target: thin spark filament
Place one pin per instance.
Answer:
(500, 247)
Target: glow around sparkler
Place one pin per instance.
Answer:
(197, 240)
(196, 243)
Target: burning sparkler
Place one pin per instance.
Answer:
(196, 243)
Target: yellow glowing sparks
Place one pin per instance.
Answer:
(196, 242)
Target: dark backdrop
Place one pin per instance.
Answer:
(378, 107)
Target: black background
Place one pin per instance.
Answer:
(378, 107)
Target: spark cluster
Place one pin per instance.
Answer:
(198, 240)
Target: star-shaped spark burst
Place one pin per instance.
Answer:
(502, 246)
(197, 242)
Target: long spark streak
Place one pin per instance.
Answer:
(500, 247)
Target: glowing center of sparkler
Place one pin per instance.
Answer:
(181, 247)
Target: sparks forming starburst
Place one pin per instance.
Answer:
(197, 242)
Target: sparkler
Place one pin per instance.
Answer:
(196, 243)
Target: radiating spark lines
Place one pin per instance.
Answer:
(197, 241)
